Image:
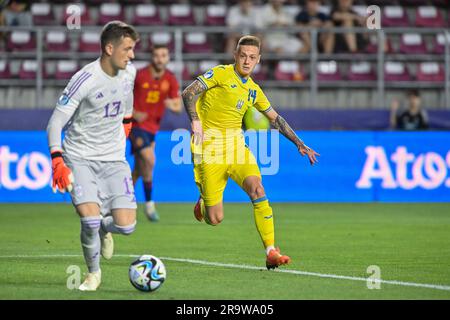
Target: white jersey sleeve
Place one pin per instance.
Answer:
(66, 106)
(130, 101)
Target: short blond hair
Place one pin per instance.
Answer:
(249, 41)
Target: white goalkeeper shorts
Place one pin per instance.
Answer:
(107, 183)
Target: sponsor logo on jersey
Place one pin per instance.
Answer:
(99, 95)
(208, 74)
(234, 86)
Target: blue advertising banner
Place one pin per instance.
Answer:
(353, 167)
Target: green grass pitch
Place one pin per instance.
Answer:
(410, 243)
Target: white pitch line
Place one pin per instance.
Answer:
(247, 267)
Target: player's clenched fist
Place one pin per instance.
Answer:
(62, 175)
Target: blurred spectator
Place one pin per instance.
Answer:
(343, 15)
(3, 4)
(274, 15)
(411, 118)
(310, 16)
(18, 13)
(243, 16)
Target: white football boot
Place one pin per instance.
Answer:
(150, 211)
(92, 281)
(107, 244)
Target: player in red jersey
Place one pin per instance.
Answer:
(155, 90)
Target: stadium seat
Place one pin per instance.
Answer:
(28, 69)
(57, 41)
(394, 16)
(196, 42)
(181, 14)
(430, 71)
(146, 14)
(372, 46)
(109, 12)
(412, 43)
(85, 17)
(89, 42)
(177, 66)
(429, 17)
(165, 38)
(65, 69)
(21, 41)
(42, 14)
(288, 71)
(215, 15)
(205, 65)
(361, 71)
(439, 43)
(396, 71)
(5, 72)
(328, 71)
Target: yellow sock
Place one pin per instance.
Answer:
(264, 221)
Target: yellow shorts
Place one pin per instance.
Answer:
(212, 177)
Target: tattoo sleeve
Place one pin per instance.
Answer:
(286, 130)
(188, 95)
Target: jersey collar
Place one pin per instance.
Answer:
(244, 81)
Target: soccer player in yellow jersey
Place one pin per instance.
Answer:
(226, 92)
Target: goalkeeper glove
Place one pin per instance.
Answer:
(127, 124)
(62, 175)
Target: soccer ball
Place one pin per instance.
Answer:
(147, 273)
(253, 119)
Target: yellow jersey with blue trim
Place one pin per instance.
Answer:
(227, 97)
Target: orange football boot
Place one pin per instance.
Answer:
(198, 210)
(276, 259)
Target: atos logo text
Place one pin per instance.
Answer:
(426, 170)
(31, 170)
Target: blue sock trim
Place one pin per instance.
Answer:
(259, 200)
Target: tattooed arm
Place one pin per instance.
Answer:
(188, 95)
(285, 129)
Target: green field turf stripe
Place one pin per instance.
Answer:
(245, 267)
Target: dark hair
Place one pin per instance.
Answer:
(413, 92)
(249, 41)
(159, 46)
(115, 31)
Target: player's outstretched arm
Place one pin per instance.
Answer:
(188, 95)
(279, 123)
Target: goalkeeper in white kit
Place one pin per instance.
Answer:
(96, 109)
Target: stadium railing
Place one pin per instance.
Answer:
(311, 60)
